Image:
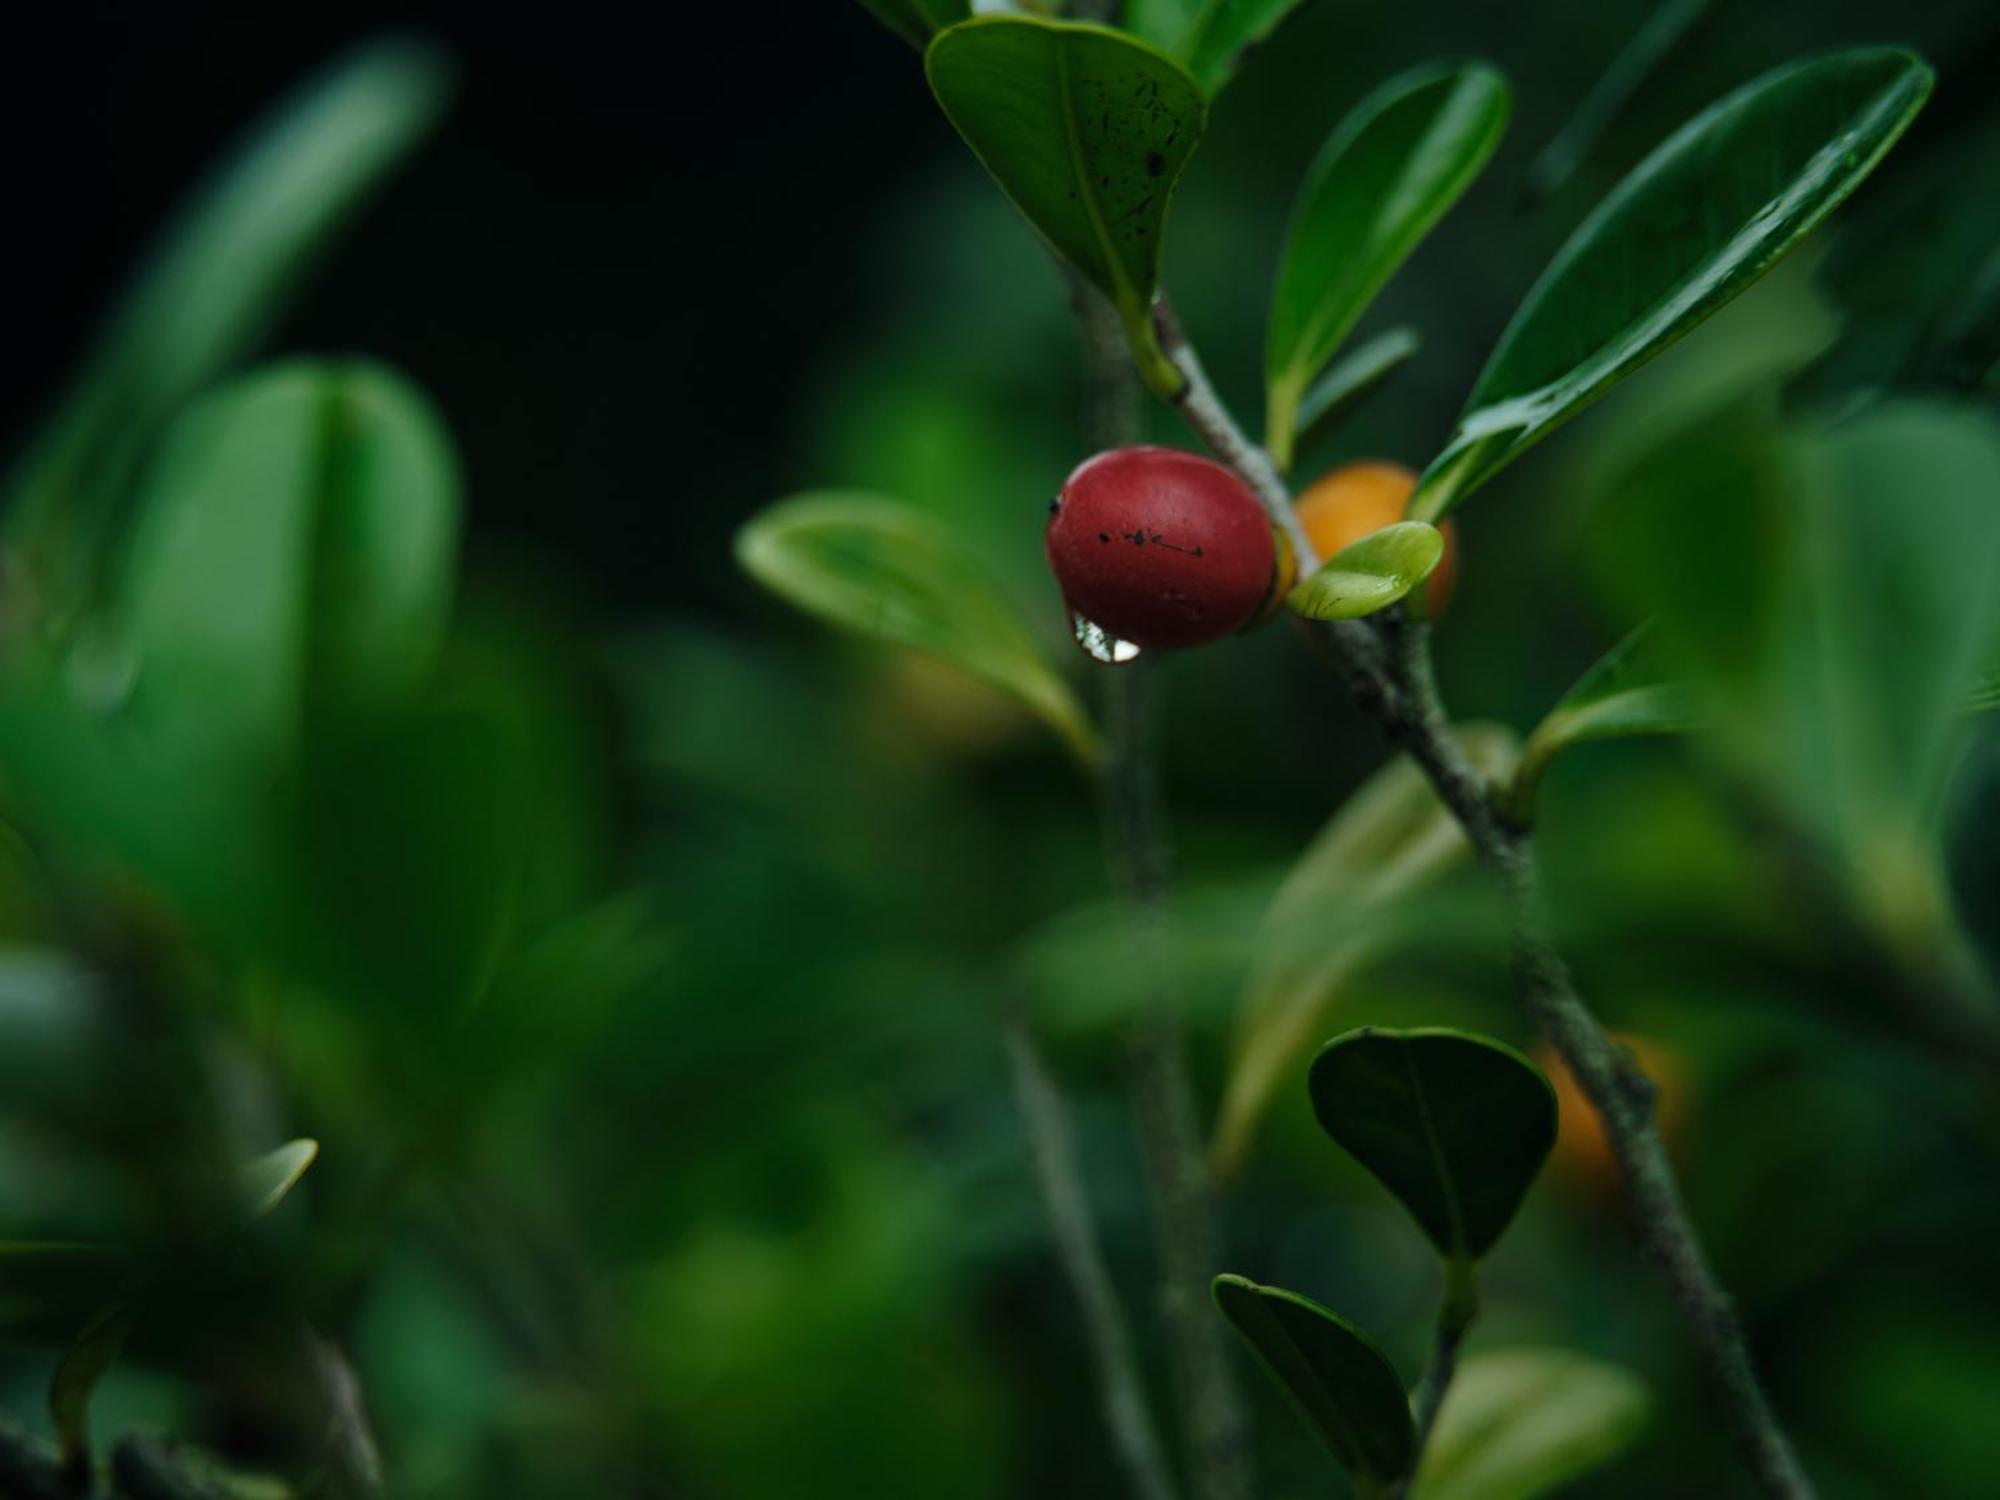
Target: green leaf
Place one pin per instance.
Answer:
(1349, 381)
(1210, 36)
(295, 543)
(1456, 1125)
(265, 1181)
(1521, 1423)
(1630, 690)
(1087, 131)
(1662, 33)
(1340, 1382)
(886, 570)
(1985, 692)
(1388, 840)
(93, 1353)
(1699, 220)
(217, 281)
(1385, 177)
(917, 21)
(1370, 574)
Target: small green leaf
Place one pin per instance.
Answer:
(1629, 691)
(1385, 177)
(297, 540)
(1210, 36)
(95, 1350)
(1388, 840)
(1340, 1382)
(267, 1180)
(219, 279)
(1985, 692)
(1456, 1125)
(1370, 574)
(917, 21)
(886, 570)
(1087, 131)
(1352, 379)
(1699, 220)
(1522, 1423)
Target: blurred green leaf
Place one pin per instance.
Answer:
(1087, 131)
(1656, 39)
(917, 21)
(1210, 36)
(1916, 276)
(217, 281)
(1520, 1423)
(1371, 574)
(85, 1362)
(1628, 691)
(296, 541)
(1385, 177)
(266, 1181)
(885, 570)
(1694, 224)
(1456, 1125)
(1339, 1381)
(1352, 379)
(1389, 839)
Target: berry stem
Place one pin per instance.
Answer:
(1386, 662)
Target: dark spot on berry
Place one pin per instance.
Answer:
(1104, 536)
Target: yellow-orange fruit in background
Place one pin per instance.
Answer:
(1582, 1156)
(1355, 499)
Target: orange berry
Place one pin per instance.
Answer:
(1355, 499)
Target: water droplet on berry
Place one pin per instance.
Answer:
(1100, 644)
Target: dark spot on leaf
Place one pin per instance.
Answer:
(1155, 164)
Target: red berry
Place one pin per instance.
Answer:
(1161, 548)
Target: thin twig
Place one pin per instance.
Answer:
(1060, 1178)
(1395, 685)
(1455, 1317)
(1164, 1110)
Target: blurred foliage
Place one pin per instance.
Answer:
(637, 977)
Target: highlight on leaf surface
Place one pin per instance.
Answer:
(1338, 1379)
(1699, 220)
(1087, 130)
(264, 1183)
(1522, 1423)
(1387, 175)
(885, 570)
(1371, 574)
(1454, 1124)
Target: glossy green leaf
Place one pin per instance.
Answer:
(1454, 1124)
(85, 1362)
(265, 1181)
(1522, 1423)
(296, 542)
(1370, 574)
(886, 570)
(1210, 36)
(1087, 130)
(1339, 1381)
(917, 21)
(1630, 690)
(1352, 379)
(1390, 839)
(1694, 224)
(1385, 177)
(217, 281)
(1985, 692)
